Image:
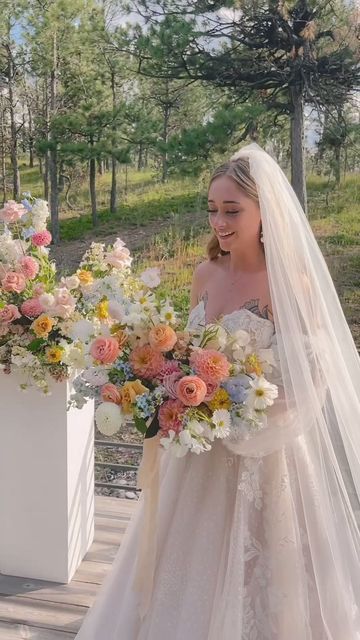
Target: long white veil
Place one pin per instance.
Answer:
(319, 407)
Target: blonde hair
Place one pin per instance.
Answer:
(239, 171)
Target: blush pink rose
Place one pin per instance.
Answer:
(64, 303)
(191, 390)
(12, 211)
(13, 282)
(169, 416)
(9, 313)
(212, 388)
(41, 238)
(39, 288)
(29, 267)
(105, 350)
(32, 308)
(110, 393)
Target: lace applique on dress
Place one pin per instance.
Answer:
(250, 483)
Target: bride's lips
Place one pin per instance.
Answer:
(225, 237)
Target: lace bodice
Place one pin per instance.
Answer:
(261, 329)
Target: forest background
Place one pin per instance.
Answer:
(117, 111)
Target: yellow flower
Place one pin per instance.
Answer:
(252, 364)
(128, 393)
(221, 400)
(54, 354)
(84, 276)
(43, 325)
(102, 310)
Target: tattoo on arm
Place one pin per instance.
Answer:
(254, 306)
(204, 298)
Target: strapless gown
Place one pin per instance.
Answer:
(233, 556)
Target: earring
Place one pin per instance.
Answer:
(261, 234)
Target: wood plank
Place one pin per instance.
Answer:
(102, 551)
(90, 571)
(49, 615)
(73, 593)
(13, 631)
(117, 506)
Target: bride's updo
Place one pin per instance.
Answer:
(239, 171)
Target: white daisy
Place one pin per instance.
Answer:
(222, 421)
(261, 394)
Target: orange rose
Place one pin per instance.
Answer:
(162, 337)
(121, 336)
(129, 391)
(191, 390)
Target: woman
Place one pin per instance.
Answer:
(256, 539)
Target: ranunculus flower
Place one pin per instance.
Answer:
(170, 414)
(12, 211)
(191, 390)
(210, 365)
(42, 326)
(9, 313)
(29, 267)
(41, 238)
(162, 337)
(146, 362)
(110, 393)
(105, 350)
(32, 308)
(13, 282)
(129, 391)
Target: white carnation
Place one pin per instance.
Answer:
(109, 418)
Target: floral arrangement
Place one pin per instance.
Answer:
(188, 386)
(45, 322)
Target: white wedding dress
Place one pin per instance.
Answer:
(233, 555)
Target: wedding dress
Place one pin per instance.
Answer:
(244, 550)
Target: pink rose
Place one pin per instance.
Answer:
(29, 267)
(12, 211)
(32, 308)
(110, 393)
(191, 390)
(64, 303)
(9, 313)
(105, 350)
(41, 238)
(170, 381)
(119, 257)
(212, 388)
(13, 282)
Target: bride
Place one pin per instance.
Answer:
(256, 539)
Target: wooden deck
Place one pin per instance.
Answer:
(39, 610)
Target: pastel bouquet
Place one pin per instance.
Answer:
(45, 321)
(32, 306)
(188, 386)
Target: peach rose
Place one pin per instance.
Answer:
(210, 364)
(9, 313)
(110, 393)
(129, 391)
(29, 267)
(162, 337)
(105, 350)
(14, 282)
(191, 390)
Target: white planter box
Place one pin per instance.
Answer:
(46, 481)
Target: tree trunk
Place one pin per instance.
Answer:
(337, 158)
(140, 156)
(54, 196)
(13, 131)
(166, 114)
(47, 135)
(3, 154)
(113, 194)
(31, 136)
(298, 180)
(92, 185)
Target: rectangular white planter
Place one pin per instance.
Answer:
(46, 481)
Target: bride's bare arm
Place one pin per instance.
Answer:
(200, 277)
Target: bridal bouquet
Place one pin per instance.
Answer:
(189, 386)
